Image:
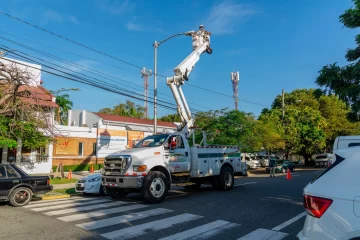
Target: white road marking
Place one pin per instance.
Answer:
(288, 222)
(100, 213)
(51, 203)
(122, 219)
(202, 232)
(244, 184)
(74, 204)
(264, 234)
(153, 226)
(55, 200)
(79, 209)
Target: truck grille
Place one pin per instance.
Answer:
(116, 165)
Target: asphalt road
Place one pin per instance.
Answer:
(257, 206)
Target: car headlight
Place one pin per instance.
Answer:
(95, 179)
(139, 168)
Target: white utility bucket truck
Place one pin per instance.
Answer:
(159, 160)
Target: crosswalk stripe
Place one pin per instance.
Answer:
(202, 232)
(264, 234)
(50, 203)
(123, 219)
(79, 209)
(101, 212)
(141, 229)
(55, 200)
(69, 205)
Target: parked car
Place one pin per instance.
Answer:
(263, 160)
(282, 166)
(17, 187)
(250, 162)
(323, 160)
(332, 200)
(90, 184)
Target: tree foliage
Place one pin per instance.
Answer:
(345, 81)
(24, 119)
(64, 103)
(129, 109)
(171, 118)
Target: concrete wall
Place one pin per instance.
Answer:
(82, 117)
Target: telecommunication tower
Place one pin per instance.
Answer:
(145, 73)
(235, 77)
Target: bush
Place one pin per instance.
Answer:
(80, 167)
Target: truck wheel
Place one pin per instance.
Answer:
(155, 187)
(20, 197)
(116, 193)
(226, 178)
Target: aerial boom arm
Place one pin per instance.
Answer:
(201, 44)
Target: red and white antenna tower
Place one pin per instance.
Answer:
(145, 73)
(235, 78)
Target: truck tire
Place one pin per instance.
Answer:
(20, 196)
(116, 193)
(226, 178)
(155, 187)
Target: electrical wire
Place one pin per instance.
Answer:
(113, 57)
(86, 68)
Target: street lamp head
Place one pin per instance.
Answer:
(201, 27)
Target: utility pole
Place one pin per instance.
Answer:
(145, 73)
(235, 77)
(283, 105)
(155, 85)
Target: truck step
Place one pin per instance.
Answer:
(180, 174)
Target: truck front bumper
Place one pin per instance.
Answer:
(123, 181)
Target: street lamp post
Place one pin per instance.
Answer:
(156, 45)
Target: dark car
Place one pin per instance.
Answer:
(283, 166)
(17, 187)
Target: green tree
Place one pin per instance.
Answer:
(65, 104)
(345, 81)
(129, 109)
(171, 118)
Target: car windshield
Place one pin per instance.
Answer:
(152, 141)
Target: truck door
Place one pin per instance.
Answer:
(179, 159)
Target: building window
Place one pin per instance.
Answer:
(94, 149)
(81, 149)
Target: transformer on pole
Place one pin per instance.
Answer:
(145, 73)
(235, 77)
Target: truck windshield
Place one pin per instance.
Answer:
(152, 141)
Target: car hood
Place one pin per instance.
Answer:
(91, 176)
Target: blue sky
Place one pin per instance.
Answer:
(273, 44)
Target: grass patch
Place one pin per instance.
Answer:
(62, 181)
(64, 191)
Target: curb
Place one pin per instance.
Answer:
(55, 197)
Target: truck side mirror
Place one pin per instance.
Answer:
(166, 145)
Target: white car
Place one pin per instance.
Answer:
(90, 184)
(332, 200)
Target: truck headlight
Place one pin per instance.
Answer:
(95, 179)
(139, 168)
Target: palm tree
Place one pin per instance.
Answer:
(64, 106)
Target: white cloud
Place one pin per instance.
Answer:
(50, 15)
(134, 27)
(225, 16)
(116, 6)
(74, 20)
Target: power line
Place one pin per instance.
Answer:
(67, 39)
(108, 55)
(98, 84)
(88, 69)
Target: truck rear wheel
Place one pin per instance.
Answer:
(226, 179)
(155, 187)
(116, 193)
